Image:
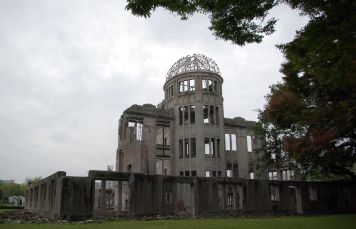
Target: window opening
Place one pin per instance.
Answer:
(273, 175)
(180, 148)
(230, 199)
(214, 173)
(249, 144)
(227, 142)
(218, 147)
(191, 85)
(193, 147)
(180, 111)
(186, 147)
(233, 142)
(207, 173)
(192, 114)
(211, 115)
(207, 146)
(274, 192)
(206, 113)
(186, 112)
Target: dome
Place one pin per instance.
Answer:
(194, 63)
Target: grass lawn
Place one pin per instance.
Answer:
(313, 222)
(7, 210)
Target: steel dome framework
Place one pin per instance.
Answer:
(192, 63)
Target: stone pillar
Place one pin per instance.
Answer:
(103, 195)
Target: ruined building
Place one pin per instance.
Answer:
(187, 134)
(183, 157)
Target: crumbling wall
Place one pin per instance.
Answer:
(62, 197)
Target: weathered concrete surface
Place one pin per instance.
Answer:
(63, 197)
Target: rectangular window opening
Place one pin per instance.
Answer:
(233, 142)
(207, 146)
(193, 147)
(249, 144)
(227, 142)
(186, 147)
(191, 85)
(211, 115)
(206, 114)
(192, 114)
(186, 114)
(180, 111)
(180, 148)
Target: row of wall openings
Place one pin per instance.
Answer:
(212, 173)
(186, 114)
(163, 136)
(232, 170)
(186, 85)
(211, 114)
(230, 142)
(169, 91)
(286, 175)
(189, 85)
(192, 173)
(137, 127)
(209, 85)
(212, 147)
(187, 147)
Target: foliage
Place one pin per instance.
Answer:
(309, 119)
(14, 189)
(11, 189)
(30, 181)
(238, 21)
(313, 109)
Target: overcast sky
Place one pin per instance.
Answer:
(68, 69)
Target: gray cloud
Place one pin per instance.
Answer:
(68, 69)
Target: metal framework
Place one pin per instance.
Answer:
(193, 63)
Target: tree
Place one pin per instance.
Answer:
(30, 181)
(314, 108)
(309, 119)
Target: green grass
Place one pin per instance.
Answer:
(7, 210)
(313, 222)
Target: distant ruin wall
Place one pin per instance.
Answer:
(105, 193)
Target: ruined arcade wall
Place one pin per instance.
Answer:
(150, 195)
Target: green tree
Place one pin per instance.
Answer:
(34, 180)
(309, 118)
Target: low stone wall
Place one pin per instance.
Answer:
(114, 194)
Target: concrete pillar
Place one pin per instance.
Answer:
(298, 196)
(103, 195)
(119, 196)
